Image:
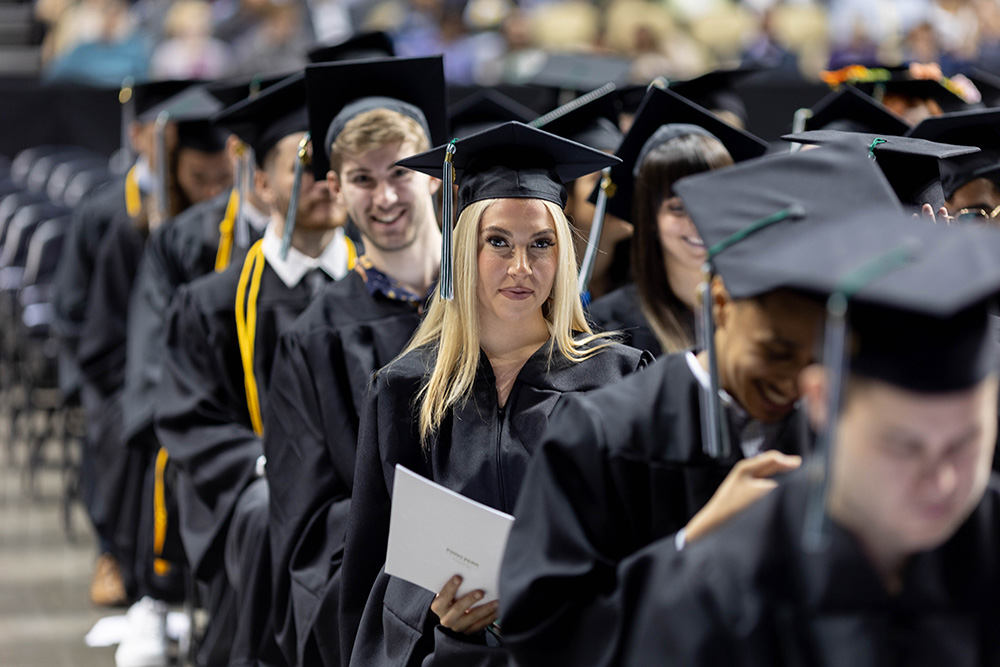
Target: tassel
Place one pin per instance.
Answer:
(159, 130)
(447, 287)
(606, 190)
(244, 186)
(293, 200)
(716, 440)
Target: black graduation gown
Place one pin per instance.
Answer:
(749, 595)
(115, 477)
(179, 251)
(320, 376)
(202, 417)
(617, 469)
(89, 221)
(620, 311)
(481, 452)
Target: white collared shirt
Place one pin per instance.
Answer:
(256, 218)
(333, 259)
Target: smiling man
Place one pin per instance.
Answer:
(369, 115)
(890, 558)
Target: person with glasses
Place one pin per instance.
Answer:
(971, 183)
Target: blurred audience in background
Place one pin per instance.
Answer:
(493, 41)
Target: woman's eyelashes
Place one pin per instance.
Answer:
(540, 243)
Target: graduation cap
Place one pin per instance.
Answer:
(714, 90)
(852, 111)
(512, 160)
(664, 108)
(263, 121)
(232, 91)
(590, 119)
(767, 204)
(582, 71)
(484, 109)
(909, 305)
(143, 96)
(979, 128)
(364, 45)
(899, 80)
(337, 92)
(192, 111)
(911, 165)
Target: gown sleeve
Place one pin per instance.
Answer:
(203, 421)
(581, 515)
(311, 475)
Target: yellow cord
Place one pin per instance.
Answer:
(246, 327)
(133, 196)
(226, 231)
(246, 321)
(160, 566)
(352, 253)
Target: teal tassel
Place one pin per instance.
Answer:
(446, 282)
(293, 200)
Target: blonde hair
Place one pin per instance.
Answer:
(373, 129)
(454, 325)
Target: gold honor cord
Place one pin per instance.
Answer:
(246, 327)
(226, 233)
(246, 321)
(352, 254)
(160, 566)
(133, 196)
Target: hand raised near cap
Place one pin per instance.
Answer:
(942, 217)
(460, 615)
(748, 481)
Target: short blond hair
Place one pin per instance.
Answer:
(373, 129)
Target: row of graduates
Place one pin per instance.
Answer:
(283, 447)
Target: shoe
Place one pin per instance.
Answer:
(145, 641)
(107, 588)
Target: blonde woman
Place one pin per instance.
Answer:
(469, 397)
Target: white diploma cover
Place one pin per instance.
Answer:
(435, 533)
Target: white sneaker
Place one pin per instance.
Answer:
(145, 642)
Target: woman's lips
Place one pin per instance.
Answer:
(517, 293)
(694, 241)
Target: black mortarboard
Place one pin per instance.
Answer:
(192, 110)
(849, 110)
(979, 128)
(337, 92)
(148, 94)
(266, 119)
(581, 72)
(911, 165)
(742, 212)
(714, 90)
(628, 98)
(590, 119)
(810, 185)
(232, 91)
(910, 305)
(662, 108)
(482, 110)
(357, 47)
(899, 81)
(512, 160)
(191, 104)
